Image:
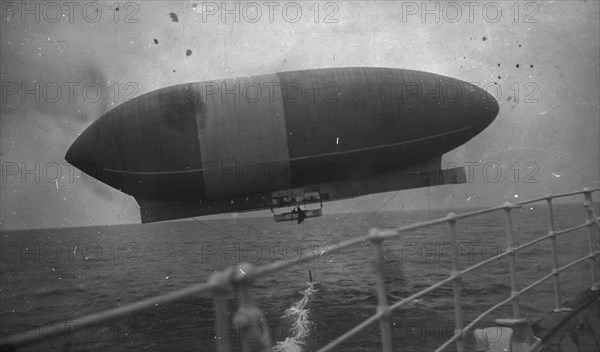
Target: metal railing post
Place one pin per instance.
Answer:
(555, 264)
(249, 319)
(222, 327)
(594, 245)
(382, 302)
(456, 287)
(512, 259)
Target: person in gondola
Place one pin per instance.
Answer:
(301, 215)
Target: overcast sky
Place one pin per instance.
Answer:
(543, 57)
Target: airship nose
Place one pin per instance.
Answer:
(73, 155)
(82, 155)
(485, 109)
(147, 148)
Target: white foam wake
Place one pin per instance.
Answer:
(298, 316)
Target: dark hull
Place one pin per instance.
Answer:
(231, 139)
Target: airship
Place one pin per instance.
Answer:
(285, 139)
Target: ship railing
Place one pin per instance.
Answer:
(239, 279)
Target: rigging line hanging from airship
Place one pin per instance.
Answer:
(282, 140)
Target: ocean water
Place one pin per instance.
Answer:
(48, 276)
